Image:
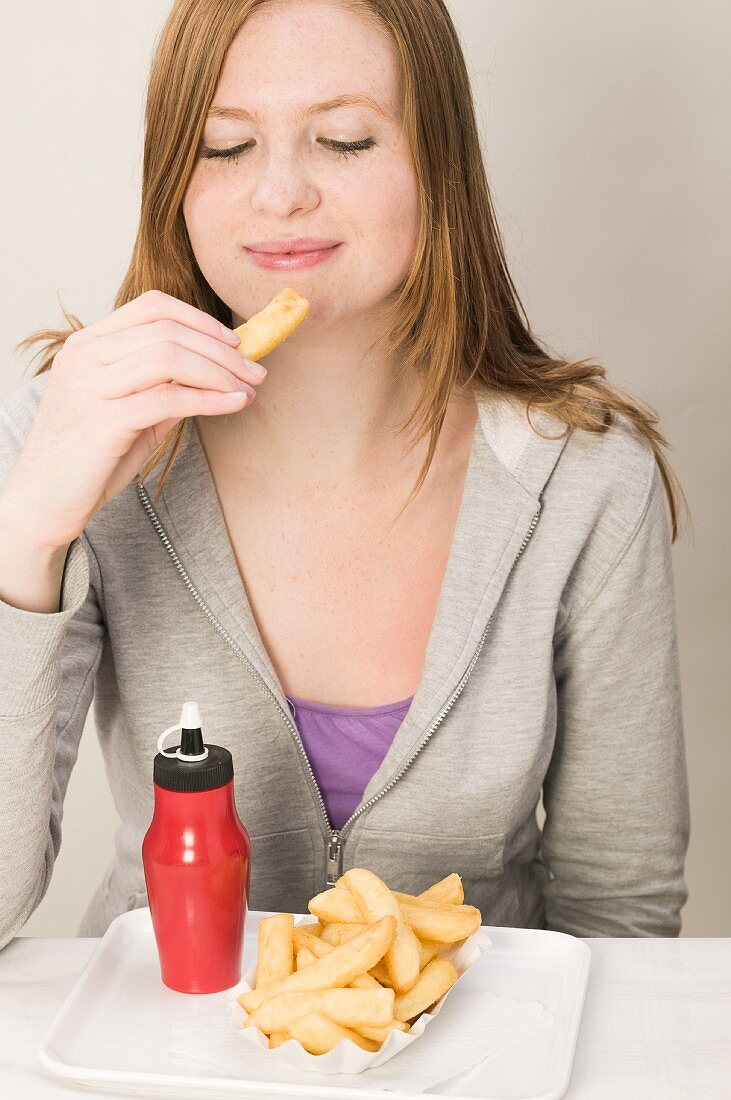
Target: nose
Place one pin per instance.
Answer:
(282, 184)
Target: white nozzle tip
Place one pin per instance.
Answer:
(190, 717)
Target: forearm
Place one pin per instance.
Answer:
(48, 664)
(30, 573)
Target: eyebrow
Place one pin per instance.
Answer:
(348, 99)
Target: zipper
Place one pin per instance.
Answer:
(334, 858)
(335, 837)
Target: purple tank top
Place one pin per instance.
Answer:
(345, 746)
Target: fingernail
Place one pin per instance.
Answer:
(255, 368)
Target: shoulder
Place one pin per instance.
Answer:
(599, 491)
(583, 474)
(610, 476)
(606, 505)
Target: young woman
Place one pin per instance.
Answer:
(421, 577)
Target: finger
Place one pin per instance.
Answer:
(155, 305)
(164, 363)
(158, 340)
(171, 401)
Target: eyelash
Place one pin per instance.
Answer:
(342, 148)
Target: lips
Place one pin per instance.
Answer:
(292, 246)
(293, 258)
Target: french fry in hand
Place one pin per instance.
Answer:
(436, 978)
(270, 326)
(337, 968)
(318, 1034)
(276, 949)
(375, 901)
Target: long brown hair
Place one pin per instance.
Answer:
(457, 319)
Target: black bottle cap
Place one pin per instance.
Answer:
(176, 769)
(186, 775)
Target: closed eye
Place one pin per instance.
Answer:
(342, 148)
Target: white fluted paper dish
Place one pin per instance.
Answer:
(346, 1056)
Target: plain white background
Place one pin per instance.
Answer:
(606, 138)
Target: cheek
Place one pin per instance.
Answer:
(205, 208)
(388, 216)
(208, 221)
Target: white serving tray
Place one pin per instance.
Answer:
(113, 1031)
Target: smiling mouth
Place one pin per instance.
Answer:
(291, 251)
(300, 258)
(298, 251)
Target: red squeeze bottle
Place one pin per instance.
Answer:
(196, 857)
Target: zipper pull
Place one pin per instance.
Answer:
(334, 858)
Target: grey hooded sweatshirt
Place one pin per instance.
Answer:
(552, 666)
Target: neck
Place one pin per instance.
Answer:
(329, 414)
(330, 402)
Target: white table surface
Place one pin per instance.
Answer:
(656, 1020)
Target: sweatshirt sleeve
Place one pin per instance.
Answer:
(616, 791)
(47, 667)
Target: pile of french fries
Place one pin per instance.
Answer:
(373, 961)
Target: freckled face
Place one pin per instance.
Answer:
(292, 175)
